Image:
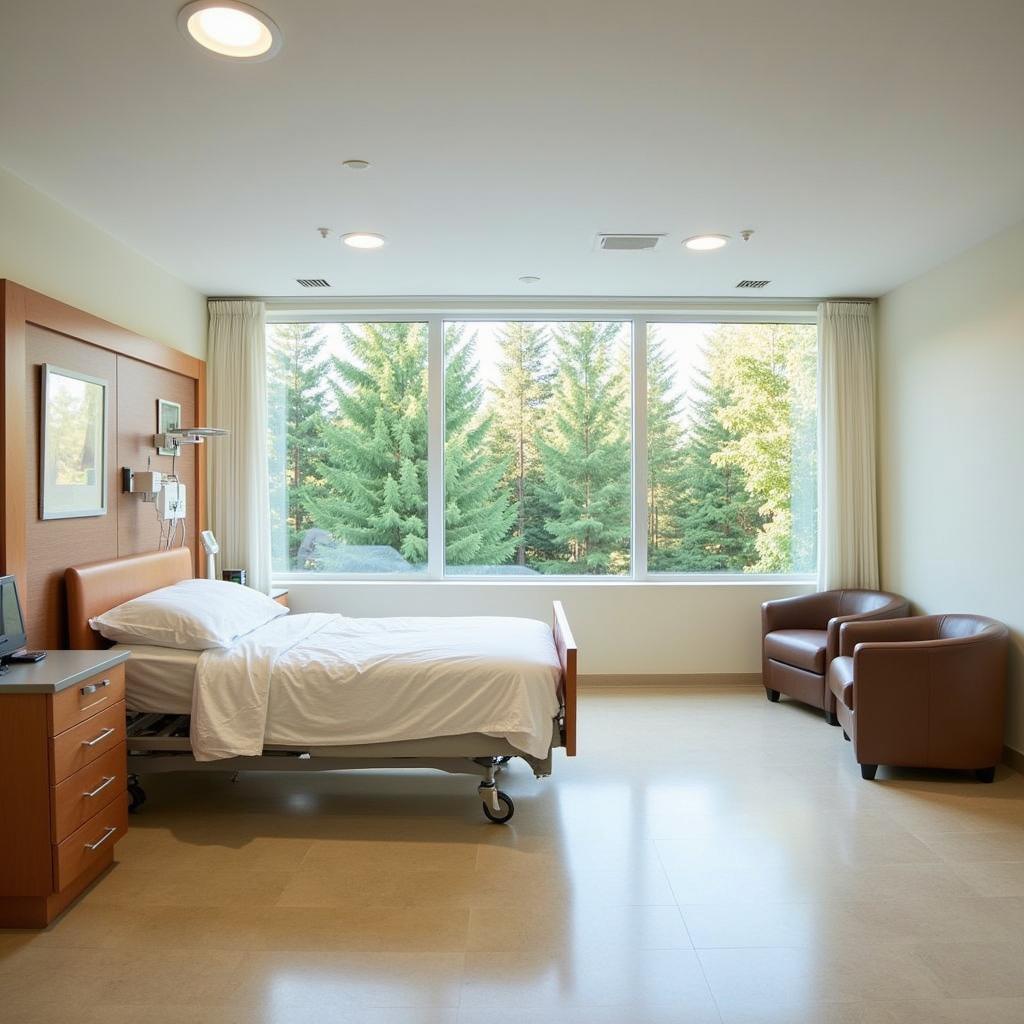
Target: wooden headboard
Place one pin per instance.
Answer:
(96, 588)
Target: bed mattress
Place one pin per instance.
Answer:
(159, 679)
(320, 680)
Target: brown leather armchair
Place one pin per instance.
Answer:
(800, 637)
(928, 692)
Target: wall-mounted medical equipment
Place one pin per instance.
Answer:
(170, 500)
(146, 483)
(172, 440)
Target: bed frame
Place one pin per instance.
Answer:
(160, 743)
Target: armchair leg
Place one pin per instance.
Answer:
(985, 774)
(773, 695)
(867, 771)
(831, 718)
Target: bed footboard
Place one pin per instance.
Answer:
(565, 645)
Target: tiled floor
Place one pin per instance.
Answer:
(708, 857)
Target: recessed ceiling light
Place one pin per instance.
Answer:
(363, 240)
(356, 165)
(702, 243)
(529, 279)
(230, 29)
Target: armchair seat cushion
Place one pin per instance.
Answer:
(802, 648)
(840, 680)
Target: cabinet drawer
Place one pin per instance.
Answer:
(85, 699)
(74, 748)
(92, 842)
(90, 789)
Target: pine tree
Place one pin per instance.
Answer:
(296, 369)
(665, 469)
(585, 452)
(479, 517)
(518, 403)
(374, 470)
(768, 371)
(718, 522)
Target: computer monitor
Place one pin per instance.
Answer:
(12, 625)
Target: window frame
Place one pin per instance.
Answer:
(436, 312)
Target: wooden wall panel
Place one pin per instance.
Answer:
(139, 385)
(35, 329)
(54, 544)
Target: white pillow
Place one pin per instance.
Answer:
(192, 615)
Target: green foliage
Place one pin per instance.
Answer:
(518, 405)
(297, 414)
(479, 515)
(373, 474)
(768, 372)
(585, 451)
(665, 459)
(718, 517)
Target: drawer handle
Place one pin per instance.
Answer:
(91, 688)
(102, 839)
(107, 780)
(99, 739)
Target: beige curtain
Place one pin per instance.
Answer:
(848, 531)
(239, 489)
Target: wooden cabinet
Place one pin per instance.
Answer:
(63, 781)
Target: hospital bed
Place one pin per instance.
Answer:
(160, 699)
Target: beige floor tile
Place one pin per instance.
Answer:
(971, 847)
(992, 878)
(576, 926)
(854, 923)
(976, 969)
(588, 978)
(742, 980)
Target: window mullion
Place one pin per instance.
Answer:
(638, 548)
(435, 448)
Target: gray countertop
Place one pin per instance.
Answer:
(58, 670)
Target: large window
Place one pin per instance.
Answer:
(731, 447)
(508, 448)
(348, 447)
(537, 448)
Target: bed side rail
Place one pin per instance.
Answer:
(565, 646)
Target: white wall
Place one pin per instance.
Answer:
(46, 247)
(951, 442)
(620, 628)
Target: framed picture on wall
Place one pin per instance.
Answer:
(73, 445)
(168, 417)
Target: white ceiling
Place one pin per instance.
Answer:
(863, 140)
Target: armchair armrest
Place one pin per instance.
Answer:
(805, 611)
(861, 630)
(896, 608)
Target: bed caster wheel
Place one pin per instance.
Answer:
(504, 810)
(136, 797)
(773, 695)
(846, 736)
(985, 774)
(867, 771)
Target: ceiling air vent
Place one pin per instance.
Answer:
(752, 284)
(627, 243)
(312, 282)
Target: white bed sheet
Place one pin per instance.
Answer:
(327, 680)
(159, 679)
